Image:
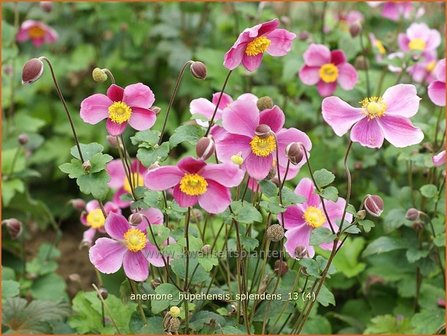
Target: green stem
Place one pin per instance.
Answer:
(362, 45)
(106, 308)
(140, 306)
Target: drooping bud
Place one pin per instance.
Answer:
(418, 225)
(303, 36)
(206, 249)
(155, 109)
(99, 75)
(32, 71)
(135, 218)
(300, 252)
(205, 148)
(174, 311)
(355, 29)
(373, 205)
(113, 141)
(263, 131)
(294, 152)
(237, 159)
(87, 166)
(264, 103)
(77, 204)
(361, 63)
(14, 227)
(281, 267)
(23, 139)
(46, 6)
(361, 214)
(104, 293)
(412, 214)
(198, 69)
(275, 232)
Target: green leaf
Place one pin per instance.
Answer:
(10, 288)
(154, 326)
(99, 161)
(366, 224)
(325, 297)
(388, 324)
(148, 137)
(317, 325)
(268, 188)
(186, 133)
(8, 159)
(429, 190)
(206, 318)
(312, 267)
(249, 244)
(246, 213)
(414, 254)
(208, 262)
(346, 260)
(88, 150)
(179, 268)
(170, 296)
(95, 184)
(148, 156)
(289, 197)
(323, 177)
(48, 287)
(321, 235)
(330, 193)
(74, 169)
(10, 188)
(384, 244)
(428, 321)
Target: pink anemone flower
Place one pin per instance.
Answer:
(378, 47)
(128, 247)
(38, 32)
(394, 10)
(419, 38)
(348, 18)
(436, 90)
(258, 152)
(439, 159)
(93, 218)
(326, 68)
(196, 181)
(424, 70)
(378, 118)
(120, 182)
(301, 219)
(120, 107)
(253, 42)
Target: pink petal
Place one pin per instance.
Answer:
(286, 137)
(433, 41)
(234, 57)
(242, 118)
(399, 131)
(347, 76)
(107, 255)
(439, 159)
(135, 266)
(116, 226)
(163, 178)
(152, 255)
(440, 70)
(191, 165)
(142, 119)
(202, 107)
(391, 11)
(251, 63)
(117, 198)
(114, 128)
(340, 115)
(403, 41)
(367, 133)
(317, 55)
(224, 101)
(338, 57)
(273, 117)
(401, 100)
(436, 92)
(95, 108)
(309, 75)
(306, 188)
(51, 35)
(258, 167)
(22, 35)
(226, 174)
(138, 95)
(293, 217)
(115, 93)
(88, 236)
(264, 28)
(326, 89)
(115, 169)
(183, 199)
(111, 207)
(281, 42)
(418, 30)
(92, 205)
(153, 215)
(232, 144)
(216, 199)
(299, 237)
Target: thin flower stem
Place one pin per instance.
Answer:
(171, 100)
(140, 306)
(323, 19)
(106, 308)
(349, 185)
(364, 51)
(14, 159)
(110, 75)
(438, 120)
(185, 288)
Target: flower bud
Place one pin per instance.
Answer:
(237, 159)
(198, 69)
(412, 214)
(155, 109)
(361, 63)
(14, 227)
(113, 141)
(23, 139)
(355, 29)
(294, 152)
(172, 325)
(74, 277)
(301, 252)
(358, 165)
(281, 267)
(206, 249)
(303, 36)
(155, 283)
(77, 204)
(263, 131)
(205, 148)
(275, 232)
(361, 214)
(373, 205)
(174, 311)
(441, 303)
(99, 75)
(87, 166)
(46, 6)
(32, 71)
(135, 218)
(264, 103)
(104, 293)
(418, 225)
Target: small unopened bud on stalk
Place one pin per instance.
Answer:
(14, 227)
(99, 75)
(412, 214)
(237, 159)
(205, 148)
(104, 293)
(300, 252)
(263, 131)
(135, 218)
(23, 139)
(373, 205)
(264, 103)
(77, 204)
(206, 249)
(275, 232)
(198, 70)
(361, 214)
(281, 267)
(46, 6)
(355, 29)
(155, 109)
(294, 152)
(303, 36)
(174, 311)
(87, 166)
(361, 63)
(32, 71)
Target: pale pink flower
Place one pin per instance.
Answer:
(436, 90)
(439, 159)
(394, 10)
(419, 38)
(93, 218)
(38, 32)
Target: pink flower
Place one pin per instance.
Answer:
(253, 42)
(394, 10)
(327, 68)
(348, 18)
(301, 219)
(119, 181)
(196, 181)
(38, 32)
(439, 159)
(127, 247)
(121, 106)
(258, 151)
(94, 218)
(423, 71)
(436, 90)
(378, 47)
(378, 118)
(419, 38)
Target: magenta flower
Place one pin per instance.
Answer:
(301, 219)
(394, 10)
(258, 152)
(94, 218)
(439, 159)
(196, 181)
(253, 42)
(119, 181)
(436, 90)
(121, 106)
(420, 38)
(38, 32)
(127, 247)
(327, 68)
(379, 118)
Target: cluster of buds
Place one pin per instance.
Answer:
(414, 215)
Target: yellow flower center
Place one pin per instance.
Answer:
(193, 184)
(417, 44)
(135, 240)
(137, 181)
(379, 45)
(36, 32)
(430, 66)
(329, 73)
(258, 46)
(314, 217)
(95, 219)
(373, 107)
(119, 112)
(263, 146)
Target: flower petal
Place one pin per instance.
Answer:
(153, 215)
(135, 266)
(340, 115)
(309, 75)
(115, 169)
(202, 107)
(306, 188)
(183, 199)
(399, 131)
(95, 108)
(114, 128)
(216, 199)
(226, 174)
(258, 167)
(116, 226)
(232, 144)
(326, 89)
(317, 55)
(152, 255)
(439, 159)
(107, 255)
(142, 119)
(224, 101)
(251, 63)
(293, 218)
(401, 100)
(242, 118)
(338, 57)
(191, 165)
(281, 42)
(115, 93)
(138, 95)
(367, 133)
(299, 237)
(273, 117)
(234, 56)
(347, 76)
(436, 92)
(163, 178)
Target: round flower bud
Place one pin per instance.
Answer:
(412, 214)
(373, 205)
(355, 29)
(174, 311)
(275, 232)
(300, 252)
(104, 293)
(155, 109)
(303, 36)
(46, 6)
(14, 227)
(32, 71)
(23, 139)
(135, 218)
(205, 148)
(361, 214)
(99, 75)
(237, 159)
(206, 249)
(418, 225)
(294, 152)
(87, 166)
(198, 69)
(264, 103)
(263, 131)
(113, 141)
(361, 63)
(77, 204)
(281, 267)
